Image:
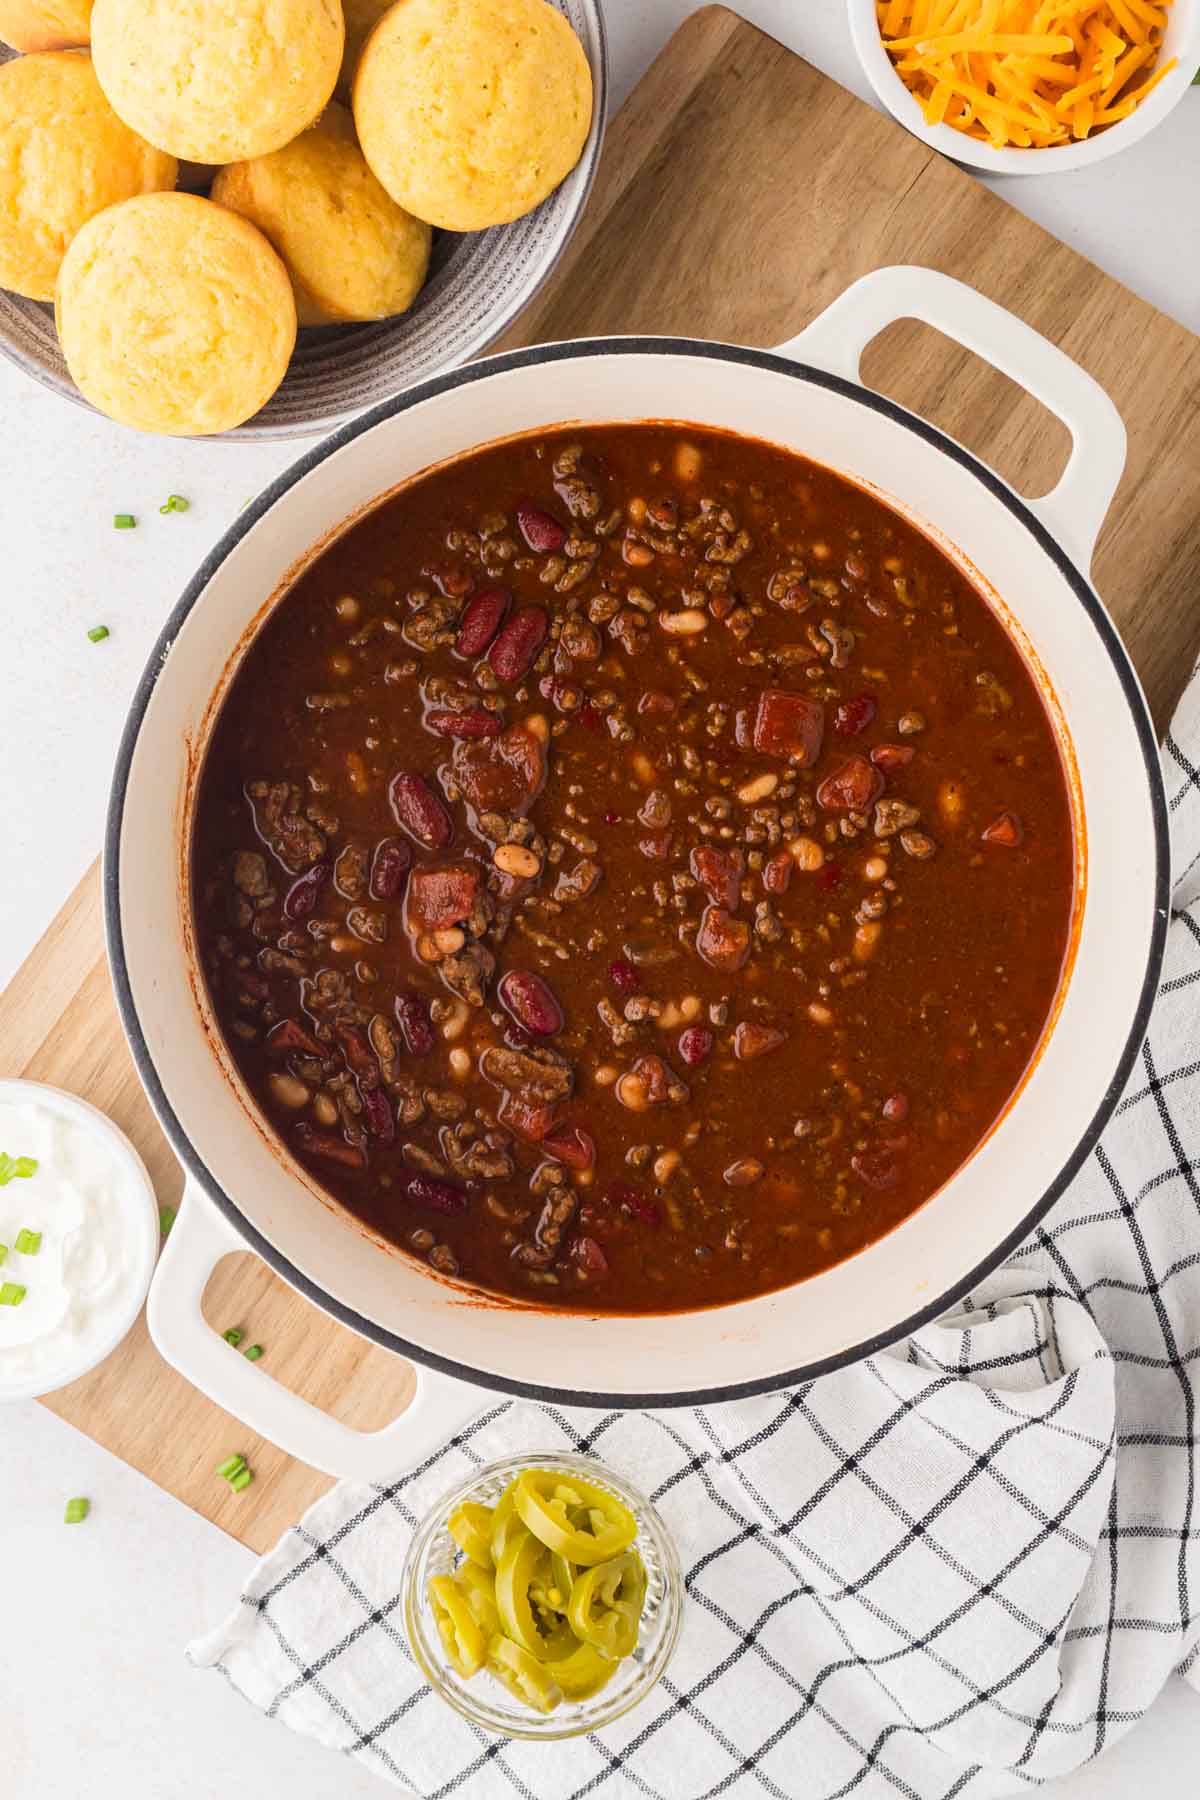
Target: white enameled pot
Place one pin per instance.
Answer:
(1033, 559)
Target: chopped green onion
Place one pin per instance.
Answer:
(11, 1294)
(231, 1467)
(233, 1336)
(3, 1253)
(253, 1353)
(77, 1511)
(97, 634)
(174, 503)
(241, 1480)
(14, 1167)
(28, 1242)
(124, 521)
(166, 1218)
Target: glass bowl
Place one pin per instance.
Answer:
(482, 1699)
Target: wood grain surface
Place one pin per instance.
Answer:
(740, 192)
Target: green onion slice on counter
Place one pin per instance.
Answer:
(77, 1511)
(123, 521)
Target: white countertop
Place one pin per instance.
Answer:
(96, 1695)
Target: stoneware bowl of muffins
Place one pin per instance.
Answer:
(254, 217)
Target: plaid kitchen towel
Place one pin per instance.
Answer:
(958, 1568)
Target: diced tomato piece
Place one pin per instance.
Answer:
(440, 896)
(530, 1119)
(852, 787)
(853, 716)
(570, 1144)
(889, 758)
(791, 725)
(1006, 831)
(719, 873)
(722, 940)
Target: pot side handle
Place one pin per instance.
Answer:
(1074, 510)
(198, 1240)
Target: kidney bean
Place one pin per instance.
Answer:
(624, 976)
(381, 1121)
(541, 531)
(570, 1144)
(434, 1194)
(412, 1016)
(695, 1045)
(482, 618)
(301, 898)
(852, 787)
(895, 1109)
(389, 868)
(588, 1254)
(889, 758)
(419, 811)
(853, 716)
(475, 723)
(330, 1148)
(513, 651)
(531, 1002)
(1005, 831)
(289, 1034)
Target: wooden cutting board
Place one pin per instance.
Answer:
(740, 192)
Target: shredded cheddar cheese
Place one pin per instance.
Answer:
(1026, 73)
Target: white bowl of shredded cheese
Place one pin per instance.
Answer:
(80, 1235)
(1012, 70)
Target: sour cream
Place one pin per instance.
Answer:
(92, 1203)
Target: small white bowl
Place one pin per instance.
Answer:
(145, 1247)
(1181, 39)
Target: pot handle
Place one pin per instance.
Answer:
(198, 1240)
(1074, 510)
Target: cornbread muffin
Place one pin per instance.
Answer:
(218, 80)
(45, 24)
(471, 111)
(351, 252)
(64, 155)
(362, 16)
(175, 315)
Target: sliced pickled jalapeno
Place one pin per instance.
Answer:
(549, 1594)
(524, 1566)
(479, 1585)
(606, 1604)
(460, 1632)
(576, 1518)
(523, 1675)
(470, 1525)
(504, 1520)
(583, 1673)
